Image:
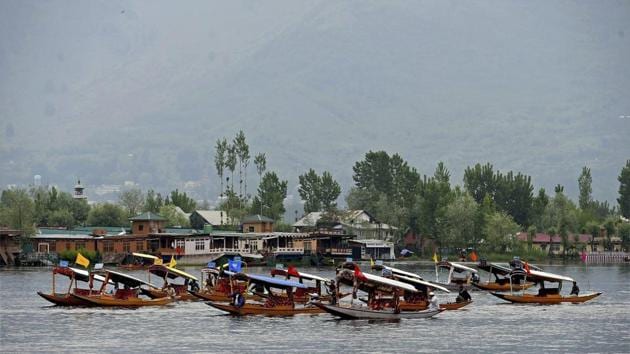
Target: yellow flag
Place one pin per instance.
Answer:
(371, 261)
(172, 263)
(82, 260)
(158, 261)
(435, 259)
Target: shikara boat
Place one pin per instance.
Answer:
(454, 282)
(501, 278)
(545, 295)
(139, 261)
(219, 286)
(278, 298)
(168, 274)
(125, 297)
(383, 300)
(314, 284)
(76, 276)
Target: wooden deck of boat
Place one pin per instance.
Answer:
(63, 299)
(106, 300)
(493, 286)
(550, 299)
(259, 309)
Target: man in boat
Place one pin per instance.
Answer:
(433, 303)
(575, 290)
(463, 295)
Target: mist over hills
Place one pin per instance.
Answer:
(116, 90)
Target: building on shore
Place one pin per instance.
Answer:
(352, 222)
(9, 246)
(575, 242)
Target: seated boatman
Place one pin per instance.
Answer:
(575, 290)
(463, 295)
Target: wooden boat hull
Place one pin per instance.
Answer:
(356, 313)
(259, 309)
(550, 299)
(493, 286)
(219, 296)
(63, 299)
(405, 306)
(158, 294)
(454, 305)
(110, 301)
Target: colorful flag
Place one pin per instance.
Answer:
(82, 260)
(293, 271)
(358, 273)
(158, 261)
(473, 256)
(371, 261)
(435, 258)
(234, 265)
(584, 256)
(63, 264)
(172, 263)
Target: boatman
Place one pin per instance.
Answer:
(433, 303)
(575, 290)
(463, 295)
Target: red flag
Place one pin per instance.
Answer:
(358, 273)
(293, 271)
(527, 268)
(584, 256)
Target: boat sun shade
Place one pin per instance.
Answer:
(421, 282)
(127, 279)
(256, 278)
(172, 273)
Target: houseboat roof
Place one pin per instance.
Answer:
(371, 243)
(148, 216)
(256, 218)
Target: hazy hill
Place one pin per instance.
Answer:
(117, 90)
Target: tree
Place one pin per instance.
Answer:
(132, 200)
(584, 183)
(260, 161)
(373, 173)
(539, 205)
(187, 204)
(17, 210)
(480, 181)
(62, 217)
(592, 228)
(459, 221)
(107, 214)
(611, 230)
(329, 192)
(173, 217)
(235, 208)
(153, 201)
(624, 190)
(531, 233)
(271, 194)
(309, 190)
(230, 162)
(500, 232)
(220, 157)
(624, 234)
(242, 152)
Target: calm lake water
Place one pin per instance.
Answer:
(29, 324)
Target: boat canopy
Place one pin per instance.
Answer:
(302, 275)
(537, 275)
(397, 271)
(172, 273)
(126, 279)
(456, 266)
(417, 281)
(143, 255)
(494, 268)
(390, 282)
(273, 282)
(79, 274)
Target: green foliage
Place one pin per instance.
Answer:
(584, 183)
(49, 202)
(459, 222)
(500, 231)
(17, 210)
(270, 198)
(153, 201)
(539, 205)
(173, 217)
(187, 204)
(242, 152)
(318, 193)
(512, 193)
(611, 230)
(561, 213)
(220, 158)
(71, 255)
(62, 217)
(132, 200)
(235, 208)
(107, 214)
(624, 234)
(624, 190)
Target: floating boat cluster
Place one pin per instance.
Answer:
(353, 294)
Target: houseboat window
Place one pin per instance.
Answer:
(52, 246)
(43, 248)
(200, 245)
(289, 242)
(140, 227)
(126, 246)
(139, 245)
(68, 246)
(108, 247)
(180, 244)
(251, 229)
(80, 245)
